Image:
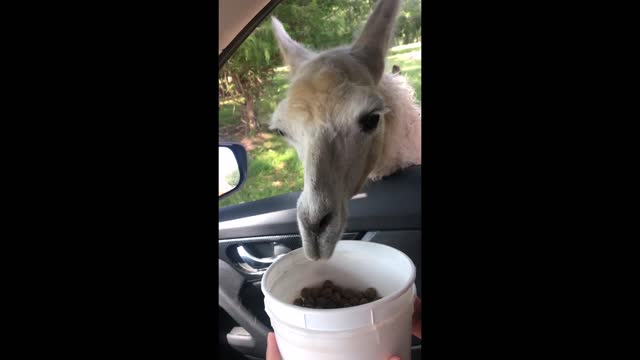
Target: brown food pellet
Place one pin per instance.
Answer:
(370, 293)
(311, 302)
(336, 297)
(348, 293)
(305, 293)
(331, 296)
(321, 301)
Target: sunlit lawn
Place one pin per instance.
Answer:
(409, 60)
(274, 167)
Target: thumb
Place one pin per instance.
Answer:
(394, 358)
(272, 348)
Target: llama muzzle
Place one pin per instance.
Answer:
(320, 231)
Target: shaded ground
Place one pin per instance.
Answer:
(274, 167)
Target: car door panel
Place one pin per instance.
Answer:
(393, 203)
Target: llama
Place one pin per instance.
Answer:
(348, 121)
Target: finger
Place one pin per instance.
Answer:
(416, 330)
(272, 348)
(416, 325)
(417, 309)
(394, 358)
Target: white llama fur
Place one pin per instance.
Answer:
(403, 127)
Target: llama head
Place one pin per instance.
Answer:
(333, 116)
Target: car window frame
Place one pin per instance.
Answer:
(246, 32)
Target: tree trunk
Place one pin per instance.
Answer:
(249, 115)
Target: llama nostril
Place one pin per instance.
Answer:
(324, 222)
(319, 227)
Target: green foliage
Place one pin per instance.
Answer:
(252, 64)
(318, 25)
(409, 23)
(323, 24)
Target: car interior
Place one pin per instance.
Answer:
(252, 235)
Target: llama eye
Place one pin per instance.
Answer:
(369, 122)
(280, 132)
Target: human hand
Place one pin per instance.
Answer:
(416, 325)
(416, 322)
(274, 354)
(272, 348)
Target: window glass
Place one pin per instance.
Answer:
(254, 81)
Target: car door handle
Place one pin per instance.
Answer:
(256, 264)
(252, 260)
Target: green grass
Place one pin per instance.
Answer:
(274, 167)
(405, 48)
(229, 112)
(409, 61)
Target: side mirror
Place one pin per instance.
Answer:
(232, 166)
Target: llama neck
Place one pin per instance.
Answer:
(403, 128)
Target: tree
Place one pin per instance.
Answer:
(249, 68)
(409, 25)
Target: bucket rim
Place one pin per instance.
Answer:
(387, 299)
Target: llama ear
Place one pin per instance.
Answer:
(292, 52)
(371, 46)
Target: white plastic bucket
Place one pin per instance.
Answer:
(373, 331)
